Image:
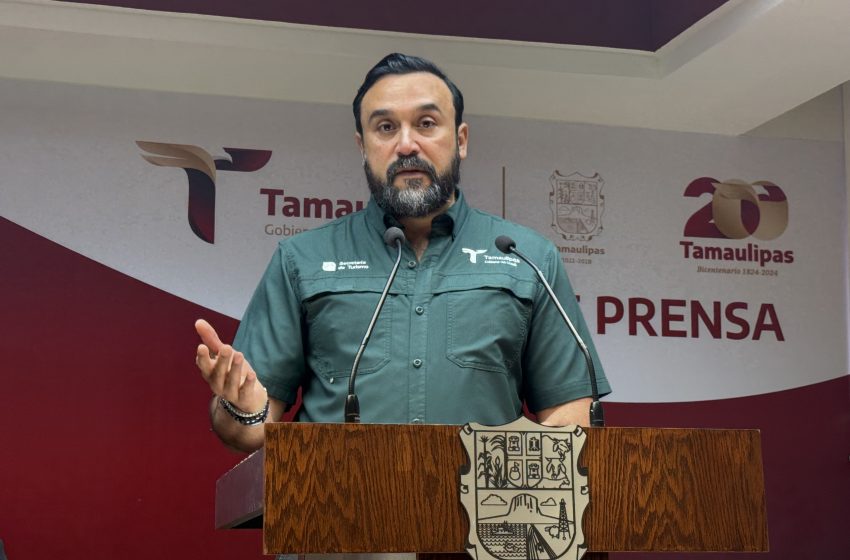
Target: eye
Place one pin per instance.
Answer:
(427, 123)
(385, 127)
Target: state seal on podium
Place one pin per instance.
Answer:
(523, 491)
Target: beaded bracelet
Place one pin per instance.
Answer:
(245, 418)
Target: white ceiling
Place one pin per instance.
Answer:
(742, 66)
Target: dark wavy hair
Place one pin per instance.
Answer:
(397, 63)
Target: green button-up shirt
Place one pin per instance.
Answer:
(466, 334)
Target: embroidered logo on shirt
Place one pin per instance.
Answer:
(489, 259)
(501, 259)
(331, 266)
(473, 254)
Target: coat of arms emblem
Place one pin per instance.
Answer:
(577, 205)
(523, 491)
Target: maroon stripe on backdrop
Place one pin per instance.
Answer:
(644, 25)
(106, 451)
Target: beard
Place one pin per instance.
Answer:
(418, 198)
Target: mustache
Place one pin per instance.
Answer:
(406, 163)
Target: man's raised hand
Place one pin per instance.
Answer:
(227, 372)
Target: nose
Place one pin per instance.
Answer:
(408, 144)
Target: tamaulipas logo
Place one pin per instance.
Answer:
(473, 253)
(577, 205)
(486, 259)
(523, 492)
(201, 168)
(737, 210)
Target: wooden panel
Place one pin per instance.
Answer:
(392, 488)
(363, 488)
(675, 490)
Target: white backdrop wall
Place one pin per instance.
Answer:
(74, 173)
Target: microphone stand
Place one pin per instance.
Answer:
(597, 416)
(392, 237)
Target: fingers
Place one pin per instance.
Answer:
(226, 371)
(233, 377)
(230, 376)
(252, 393)
(204, 361)
(220, 375)
(208, 336)
(249, 387)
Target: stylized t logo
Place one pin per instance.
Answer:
(200, 168)
(473, 254)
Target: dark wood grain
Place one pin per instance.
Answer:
(363, 488)
(394, 488)
(675, 490)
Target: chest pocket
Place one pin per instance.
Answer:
(487, 320)
(337, 314)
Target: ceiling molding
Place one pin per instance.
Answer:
(736, 69)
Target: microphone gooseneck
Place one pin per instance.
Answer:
(597, 417)
(393, 237)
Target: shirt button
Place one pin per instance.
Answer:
(411, 264)
(417, 363)
(420, 310)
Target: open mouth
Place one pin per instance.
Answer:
(407, 175)
(409, 169)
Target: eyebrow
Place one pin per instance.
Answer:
(378, 113)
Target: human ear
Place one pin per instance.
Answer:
(462, 140)
(358, 139)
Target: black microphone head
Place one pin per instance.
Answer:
(393, 235)
(505, 244)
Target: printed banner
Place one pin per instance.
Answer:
(706, 265)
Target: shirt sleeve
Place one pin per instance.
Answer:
(554, 367)
(270, 334)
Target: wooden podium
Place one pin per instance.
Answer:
(319, 488)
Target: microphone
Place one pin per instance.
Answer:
(597, 417)
(393, 237)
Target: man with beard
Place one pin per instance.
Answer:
(467, 334)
